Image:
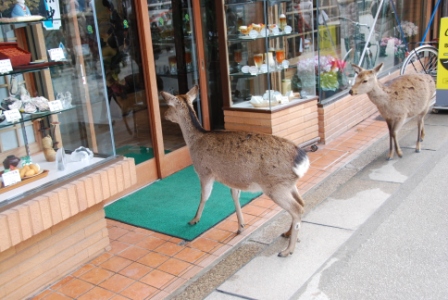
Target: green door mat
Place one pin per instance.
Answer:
(167, 206)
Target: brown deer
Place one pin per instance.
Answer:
(398, 99)
(242, 161)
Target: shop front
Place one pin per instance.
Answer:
(278, 67)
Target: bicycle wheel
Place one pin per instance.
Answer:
(422, 59)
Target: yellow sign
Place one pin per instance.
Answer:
(327, 37)
(442, 64)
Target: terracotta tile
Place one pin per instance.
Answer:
(228, 225)
(153, 259)
(174, 266)
(161, 236)
(138, 291)
(102, 258)
(189, 255)
(42, 295)
(83, 269)
(133, 253)
(97, 293)
(131, 237)
(57, 296)
(160, 295)
(116, 232)
(158, 279)
(97, 275)
(175, 285)
(119, 297)
(168, 248)
(75, 288)
(61, 282)
(253, 210)
(150, 243)
(203, 244)
(116, 283)
(135, 271)
(117, 247)
(116, 263)
(191, 272)
(217, 234)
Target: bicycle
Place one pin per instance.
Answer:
(353, 55)
(423, 59)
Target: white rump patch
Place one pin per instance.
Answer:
(301, 169)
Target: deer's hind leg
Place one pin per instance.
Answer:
(420, 132)
(286, 200)
(206, 190)
(299, 200)
(236, 200)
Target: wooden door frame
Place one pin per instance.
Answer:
(166, 164)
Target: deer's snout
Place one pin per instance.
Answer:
(351, 92)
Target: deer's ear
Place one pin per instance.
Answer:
(167, 96)
(378, 68)
(356, 68)
(192, 94)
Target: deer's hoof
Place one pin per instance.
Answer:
(286, 234)
(193, 222)
(240, 230)
(284, 253)
(417, 150)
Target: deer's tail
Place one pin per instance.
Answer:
(301, 162)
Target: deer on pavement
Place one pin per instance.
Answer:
(242, 161)
(397, 99)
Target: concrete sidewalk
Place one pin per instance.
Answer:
(346, 201)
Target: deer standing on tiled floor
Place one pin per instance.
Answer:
(242, 161)
(397, 99)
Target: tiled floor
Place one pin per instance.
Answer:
(143, 264)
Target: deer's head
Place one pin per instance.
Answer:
(365, 80)
(181, 105)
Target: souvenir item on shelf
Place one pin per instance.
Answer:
(11, 162)
(20, 9)
(82, 154)
(41, 103)
(47, 145)
(11, 103)
(29, 107)
(30, 170)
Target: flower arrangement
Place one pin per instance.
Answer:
(329, 69)
(409, 28)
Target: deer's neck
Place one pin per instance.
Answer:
(191, 128)
(378, 94)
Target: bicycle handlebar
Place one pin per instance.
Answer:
(355, 23)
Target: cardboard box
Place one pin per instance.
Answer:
(18, 56)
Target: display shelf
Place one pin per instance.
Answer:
(30, 117)
(278, 106)
(243, 2)
(53, 174)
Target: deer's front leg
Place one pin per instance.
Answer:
(206, 190)
(236, 200)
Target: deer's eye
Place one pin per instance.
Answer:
(365, 81)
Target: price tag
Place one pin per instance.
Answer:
(55, 105)
(5, 66)
(11, 177)
(12, 115)
(56, 54)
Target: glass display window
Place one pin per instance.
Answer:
(364, 33)
(55, 116)
(265, 42)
